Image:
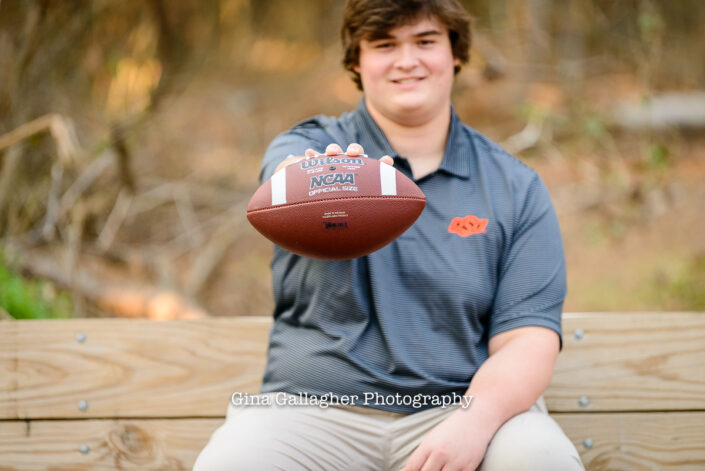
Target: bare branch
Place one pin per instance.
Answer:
(47, 228)
(7, 172)
(124, 157)
(61, 129)
(115, 219)
(127, 300)
(213, 253)
(667, 111)
(85, 180)
(524, 139)
(74, 240)
(187, 215)
(176, 246)
(495, 62)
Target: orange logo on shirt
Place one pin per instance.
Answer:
(468, 225)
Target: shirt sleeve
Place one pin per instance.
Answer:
(532, 276)
(293, 142)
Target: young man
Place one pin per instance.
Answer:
(466, 303)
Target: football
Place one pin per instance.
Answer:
(335, 207)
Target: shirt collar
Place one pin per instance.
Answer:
(373, 139)
(456, 159)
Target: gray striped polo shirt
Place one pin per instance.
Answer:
(412, 320)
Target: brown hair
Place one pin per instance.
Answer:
(366, 19)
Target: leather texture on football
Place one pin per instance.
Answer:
(335, 207)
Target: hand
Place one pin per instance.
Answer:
(455, 444)
(332, 149)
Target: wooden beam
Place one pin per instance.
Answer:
(93, 445)
(638, 441)
(651, 440)
(128, 368)
(630, 361)
(190, 368)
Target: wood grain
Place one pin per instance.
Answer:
(159, 444)
(631, 362)
(631, 441)
(638, 441)
(189, 368)
(128, 368)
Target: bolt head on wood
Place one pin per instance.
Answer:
(84, 449)
(578, 334)
(588, 443)
(83, 405)
(583, 401)
(80, 337)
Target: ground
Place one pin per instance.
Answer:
(630, 204)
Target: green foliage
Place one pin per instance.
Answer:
(650, 24)
(594, 126)
(658, 158)
(29, 299)
(689, 287)
(678, 287)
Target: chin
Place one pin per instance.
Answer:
(412, 106)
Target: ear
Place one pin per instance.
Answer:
(456, 61)
(356, 68)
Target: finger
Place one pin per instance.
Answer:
(355, 149)
(433, 463)
(310, 152)
(387, 160)
(416, 460)
(333, 149)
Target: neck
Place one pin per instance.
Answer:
(421, 142)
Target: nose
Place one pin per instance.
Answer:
(406, 58)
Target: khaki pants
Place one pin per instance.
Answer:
(355, 438)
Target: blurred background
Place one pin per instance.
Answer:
(131, 134)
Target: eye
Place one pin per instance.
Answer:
(383, 45)
(426, 42)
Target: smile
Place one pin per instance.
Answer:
(408, 80)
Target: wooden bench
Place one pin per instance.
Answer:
(99, 394)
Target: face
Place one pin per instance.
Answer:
(407, 75)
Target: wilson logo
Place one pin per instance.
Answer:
(309, 163)
(329, 179)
